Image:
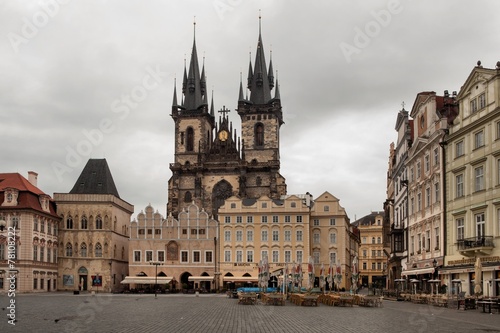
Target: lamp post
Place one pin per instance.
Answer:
(97, 282)
(434, 264)
(111, 281)
(173, 284)
(156, 263)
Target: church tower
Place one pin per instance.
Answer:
(211, 163)
(194, 124)
(261, 119)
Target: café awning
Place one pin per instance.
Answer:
(200, 278)
(418, 271)
(146, 280)
(240, 279)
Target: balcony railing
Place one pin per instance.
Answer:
(475, 243)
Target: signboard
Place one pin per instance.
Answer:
(96, 280)
(68, 280)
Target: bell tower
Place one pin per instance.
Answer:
(194, 125)
(261, 120)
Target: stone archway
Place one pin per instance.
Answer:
(83, 278)
(185, 283)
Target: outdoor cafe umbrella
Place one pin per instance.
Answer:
(338, 274)
(299, 275)
(478, 267)
(285, 279)
(329, 277)
(322, 277)
(355, 272)
(259, 276)
(432, 285)
(397, 283)
(414, 281)
(310, 273)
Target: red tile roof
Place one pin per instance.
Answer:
(29, 195)
(17, 181)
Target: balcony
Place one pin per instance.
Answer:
(474, 245)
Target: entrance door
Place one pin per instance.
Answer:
(83, 282)
(48, 285)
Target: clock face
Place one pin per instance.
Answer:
(223, 135)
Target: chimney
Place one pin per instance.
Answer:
(33, 178)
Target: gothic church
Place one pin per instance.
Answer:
(211, 162)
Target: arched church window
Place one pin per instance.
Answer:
(69, 223)
(259, 134)
(69, 250)
(84, 223)
(190, 139)
(221, 191)
(83, 250)
(188, 197)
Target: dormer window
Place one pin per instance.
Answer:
(10, 198)
(44, 203)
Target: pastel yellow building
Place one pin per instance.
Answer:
(286, 231)
(372, 257)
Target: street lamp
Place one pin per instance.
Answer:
(156, 263)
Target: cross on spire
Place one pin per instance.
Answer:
(224, 110)
(403, 105)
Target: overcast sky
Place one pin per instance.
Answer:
(95, 79)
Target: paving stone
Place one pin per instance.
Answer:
(64, 312)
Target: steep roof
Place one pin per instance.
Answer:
(29, 195)
(15, 180)
(368, 219)
(260, 80)
(95, 178)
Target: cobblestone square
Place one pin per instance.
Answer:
(64, 312)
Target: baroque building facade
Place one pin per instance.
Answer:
(29, 228)
(397, 200)
(424, 164)
(472, 183)
(174, 253)
(288, 232)
(93, 238)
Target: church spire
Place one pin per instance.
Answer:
(212, 105)
(194, 91)
(174, 102)
(250, 72)
(258, 83)
(277, 91)
(241, 98)
(270, 74)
